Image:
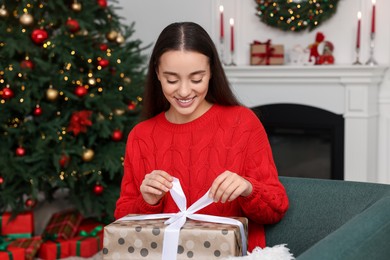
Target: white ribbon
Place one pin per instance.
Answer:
(177, 220)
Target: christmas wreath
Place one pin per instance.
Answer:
(295, 15)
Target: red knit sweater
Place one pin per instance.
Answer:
(224, 138)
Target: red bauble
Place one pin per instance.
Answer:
(81, 91)
(103, 63)
(117, 135)
(27, 64)
(103, 47)
(7, 93)
(98, 189)
(102, 3)
(1, 180)
(20, 151)
(73, 25)
(39, 36)
(64, 161)
(131, 106)
(30, 203)
(37, 111)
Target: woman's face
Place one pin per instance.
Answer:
(184, 77)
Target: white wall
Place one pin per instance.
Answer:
(152, 16)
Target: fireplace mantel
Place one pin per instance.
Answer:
(351, 91)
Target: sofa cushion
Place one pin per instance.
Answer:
(365, 236)
(318, 207)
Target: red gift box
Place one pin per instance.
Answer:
(51, 250)
(62, 225)
(89, 240)
(22, 225)
(265, 53)
(30, 246)
(12, 253)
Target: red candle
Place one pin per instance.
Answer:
(373, 17)
(359, 15)
(221, 21)
(232, 34)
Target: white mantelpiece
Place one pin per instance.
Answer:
(351, 91)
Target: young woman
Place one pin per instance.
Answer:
(194, 129)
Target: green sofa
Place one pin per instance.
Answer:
(332, 219)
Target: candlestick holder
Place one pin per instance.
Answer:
(222, 51)
(232, 63)
(357, 61)
(371, 61)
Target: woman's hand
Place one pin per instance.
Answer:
(155, 185)
(228, 186)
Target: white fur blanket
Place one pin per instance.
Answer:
(278, 252)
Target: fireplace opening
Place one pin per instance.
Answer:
(306, 141)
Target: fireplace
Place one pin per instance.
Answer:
(306, 141)
(348, 92)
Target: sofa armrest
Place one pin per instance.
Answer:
(365, 236)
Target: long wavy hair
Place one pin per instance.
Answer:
(186, 36)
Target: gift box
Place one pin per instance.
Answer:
(266, 53)
(20, 226)
(143, 239)
(55, 249)
(62, 225)
(12, 253)
(89, 240)
(30, 246)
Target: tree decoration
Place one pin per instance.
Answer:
(64, 161)
(77, 7)
(51, 94)
(73, 25)
(295, 16)
(27, 64)
(3, 12)
(37, 111)
(7, 93)
(88, 155)
(30, 203)
(81, 91)
(98, 189)
(103, 62)
(111, 35)
(26, 19)
(117, 135)
(102, 3)
(1, 180)
(20, 151)
(39, 36)
(80, 121)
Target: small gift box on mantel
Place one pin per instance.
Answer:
(266, 53)
(182, 235)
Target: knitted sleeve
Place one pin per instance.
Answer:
(130, 200)
(268, 201)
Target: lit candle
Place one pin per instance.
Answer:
(232, 34)
(373, 17)
(359, 15)
(221, 21)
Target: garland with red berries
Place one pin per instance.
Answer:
(295, 15)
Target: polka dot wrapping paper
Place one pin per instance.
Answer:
(143, 239)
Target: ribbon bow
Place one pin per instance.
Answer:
(92, 233)
(177, 220)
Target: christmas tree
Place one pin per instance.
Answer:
(70, 90)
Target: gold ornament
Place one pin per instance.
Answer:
(51, 94)
(111, 35)
(120, 39)
(3, 11)
(119, 112)
(127, 80)
(76, 7)
(88, 155)
(26, 19)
